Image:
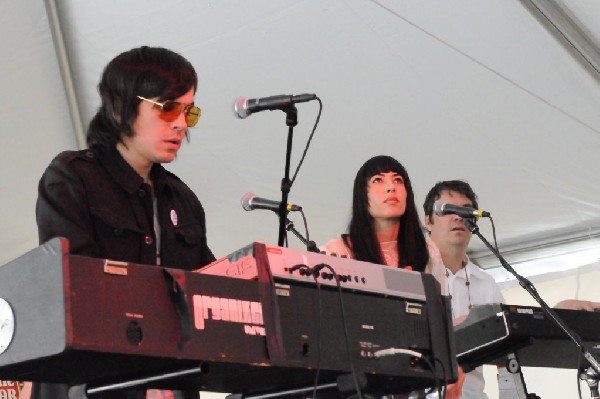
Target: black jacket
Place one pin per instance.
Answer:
(97, 200)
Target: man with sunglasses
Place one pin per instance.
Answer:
(115, 200)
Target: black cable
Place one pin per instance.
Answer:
(346, 335)
(305, 227)
(447, 328)
(311, 246)
(308, 142)
(308, 271)
(494, 233)
(432, 369)
(320, 306)
(443, 306)
(299, 266)
(445, 390)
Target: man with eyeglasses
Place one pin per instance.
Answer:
(115, 200)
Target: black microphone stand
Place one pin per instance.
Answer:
(528, 286)
(291, 120)
(311, 246)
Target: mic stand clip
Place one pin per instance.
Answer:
(526, 284)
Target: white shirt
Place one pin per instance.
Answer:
(481, 290)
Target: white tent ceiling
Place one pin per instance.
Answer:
(482, 91)
(487, 91)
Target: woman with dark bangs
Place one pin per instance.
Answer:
(385, 227)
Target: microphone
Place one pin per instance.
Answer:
(441, 208)
(251, 202)
(243, 107)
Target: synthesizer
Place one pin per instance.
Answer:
(494, 330)
(79, 320)
(288, 264)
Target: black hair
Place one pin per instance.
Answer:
(458, 186)
(144, 71)
(412, 248)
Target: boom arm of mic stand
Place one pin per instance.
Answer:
(310, 245)
(528, 286)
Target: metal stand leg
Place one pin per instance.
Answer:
(511, 383)
(590, 376)
(86, 392)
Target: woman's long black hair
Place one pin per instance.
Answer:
(412, 248)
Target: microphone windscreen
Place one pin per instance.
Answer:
(240, 107)
(247, 201)
(438, 207)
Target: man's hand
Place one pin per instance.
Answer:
(454, 391)
(575, 304)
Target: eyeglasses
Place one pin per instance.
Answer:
(170, 110)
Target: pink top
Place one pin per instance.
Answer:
(389, 249)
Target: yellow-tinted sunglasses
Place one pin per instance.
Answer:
(170, 110)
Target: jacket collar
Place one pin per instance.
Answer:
(125, 175)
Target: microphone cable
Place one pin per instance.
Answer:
(311, 246)
(305, 228)
(308, 142)
(445, 387)
(494, 234)
(315, 272)
(319, 318)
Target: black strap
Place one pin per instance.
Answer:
(270, 306)
(177, 294)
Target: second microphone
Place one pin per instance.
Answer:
(251, 202)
